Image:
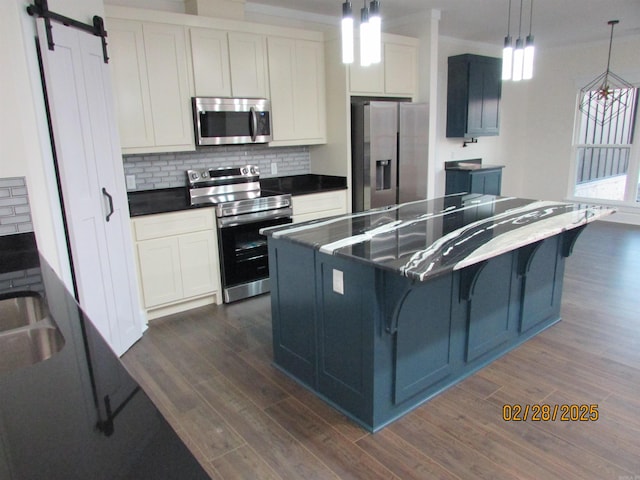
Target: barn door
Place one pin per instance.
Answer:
(87, 152)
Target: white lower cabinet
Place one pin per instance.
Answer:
(178, 262)
(319, 205)
(160, 275)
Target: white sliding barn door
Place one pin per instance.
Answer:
(87, 149)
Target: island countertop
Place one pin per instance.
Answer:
(423, 239)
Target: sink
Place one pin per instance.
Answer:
(28, 333)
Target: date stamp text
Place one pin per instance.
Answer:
(572, 412)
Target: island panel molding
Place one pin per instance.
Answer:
(395, 331)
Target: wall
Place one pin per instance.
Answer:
(447, 149)
(15, 215)
(550, 110)
(167, 170)
(537, 116)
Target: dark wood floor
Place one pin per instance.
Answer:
(209, 371)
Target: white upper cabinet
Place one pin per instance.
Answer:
(366, 80)
(160, 60)
(210, 58)
(395, 75)
(248, 65)
(129, 74)
(400, 64)
(297, 84)
(228, 64)
(151, 83)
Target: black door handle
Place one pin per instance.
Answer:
(110, 198)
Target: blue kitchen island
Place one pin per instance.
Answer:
(378, 311)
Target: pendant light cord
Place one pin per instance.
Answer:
(509, 20)
(606, 73)
(520, 23)
(531, 18)
(613, 24)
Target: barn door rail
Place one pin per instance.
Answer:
(40, 8)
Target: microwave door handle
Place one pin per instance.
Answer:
(254, 124)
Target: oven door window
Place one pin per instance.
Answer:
(244, 252)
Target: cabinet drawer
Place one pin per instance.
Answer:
(176, 223)
(319, 202)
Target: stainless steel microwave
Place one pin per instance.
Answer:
(223, 121)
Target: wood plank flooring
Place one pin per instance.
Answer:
(209, 371)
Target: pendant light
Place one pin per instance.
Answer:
(607, 95)
(517, 64)
(507, 51)
(529, 49)
(347, 32)
(370, 33)
(518, 53)
(365, 37)
(375, 26)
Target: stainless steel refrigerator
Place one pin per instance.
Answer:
(389, 141)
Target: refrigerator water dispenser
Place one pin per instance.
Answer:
(383, 174)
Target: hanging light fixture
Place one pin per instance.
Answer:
(507, 51)
(375, 26)
(347, 32)
(607, 95)
(517, 64)
(529, 50)
(370, 33)
(518, 53)
(365, 37)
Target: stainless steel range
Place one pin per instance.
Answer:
(242, 209)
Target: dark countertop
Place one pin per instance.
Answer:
(304, 184)
(50, 411)
(423, 239)
(470, 165)
(163, 200)
(147, 202)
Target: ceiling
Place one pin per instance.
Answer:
(555, 22)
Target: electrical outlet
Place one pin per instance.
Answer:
(338, 281)
(131, 182)
(274, 168)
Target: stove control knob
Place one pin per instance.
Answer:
(194, 176)
(253, 170)
(244, 170)
(205, 174)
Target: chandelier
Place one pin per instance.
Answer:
(607, 95)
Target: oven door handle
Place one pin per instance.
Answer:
(253, 128)
(235, 220)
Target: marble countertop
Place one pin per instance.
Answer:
(55, 421)
(426, 238)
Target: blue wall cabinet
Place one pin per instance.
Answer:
(474, 88)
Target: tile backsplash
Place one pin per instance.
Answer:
(165, 170)
(15, 214)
